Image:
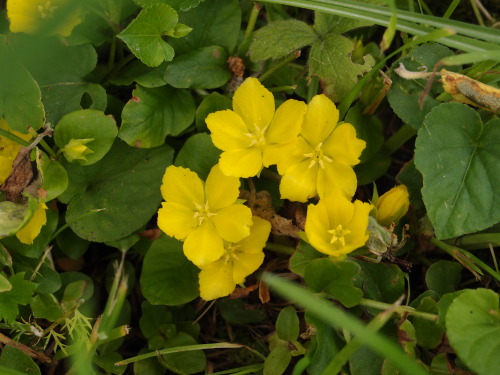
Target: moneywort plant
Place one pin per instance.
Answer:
(236, 187)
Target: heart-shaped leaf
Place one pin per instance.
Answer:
(459, 159)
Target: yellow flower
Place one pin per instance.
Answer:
(76, 149)
(52, 16)
(204, 215)
(323, 156)
(219, 278)
(253, 135)
(8, 150)
(393, 205)
(335, 226)
(31, 230)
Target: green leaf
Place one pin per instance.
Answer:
(381, 282)
(16, 359)
(429, 334)
(234, 311)
(98, 209)
(189, 155)
(365, 362)
(47, 279)
(167, 277)
(287, 324)
(473, 328)
(335, 278)
(373, 169)
(325, 23)
(302, 256)
(144, 34)
(189, 362)
(87, 124)
(211, 103)
(144, 75)
(404, 94)
(20, 97)
(459, 159)
(60, 69)
(281, 38)
(154, 113)
(214, 23)
(71, 245)
(20, 294)
(277, 361)
(330, 60)
(5, 285)
(54, 177)
(204, 68)
(444, 276)
(13, 216)
(368, 128)
(107, 362)
(46, 306)
(176, 4)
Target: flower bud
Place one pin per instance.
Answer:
(76, 149)
(393, 205)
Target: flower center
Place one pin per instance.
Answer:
(230, 253)
(317, 156)
(338, 235)
(257, 136)
(202, 213)
(46, 10)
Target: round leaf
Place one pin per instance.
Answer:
(473, 327)
(100, 210)
(459, 159)
(87, 124)
(55, 177)
(189, 155)
(154, 113)
(167, 277)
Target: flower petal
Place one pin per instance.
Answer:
(287, 122)
(259, 233)
(254, 103)
(182, 186)
(31, 230)
(337, 176)
(221, 190)
(343, 146)
(233, 222)
(276, 153)
(241, 163)
(320, 119)
(204, 245)
(176, 220)
(228, 130)
(299, 182)
(216, 281)
(245, 265)
(300, 147)
(359, 221)
(317, 227)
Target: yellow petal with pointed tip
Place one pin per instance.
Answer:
(176, 220)
(221, 190)
(233, 223)
(336, 176)
(299, 182)
(254, 103)
(216, 281)
(259, 233)
(31, 230)
(228, 130)
(204, 245)
(246, 265)
(320, 119)
(182, 186)
(287, 122)
(241, 163)
(343, 146)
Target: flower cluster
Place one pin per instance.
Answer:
(218, 232)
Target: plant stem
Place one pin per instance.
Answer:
(452, 250)
(273, 69)
(399, 309)
(251, 22)
(399, 138)
(283, 88)
(13, 137)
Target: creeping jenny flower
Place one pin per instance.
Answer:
(392, 205)
(240, 259)
(335, 226)
(253, 135)
(323, 156)
(204, 215)
(8, 150)
(76, 149)
(53, 16)
(31, 230)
